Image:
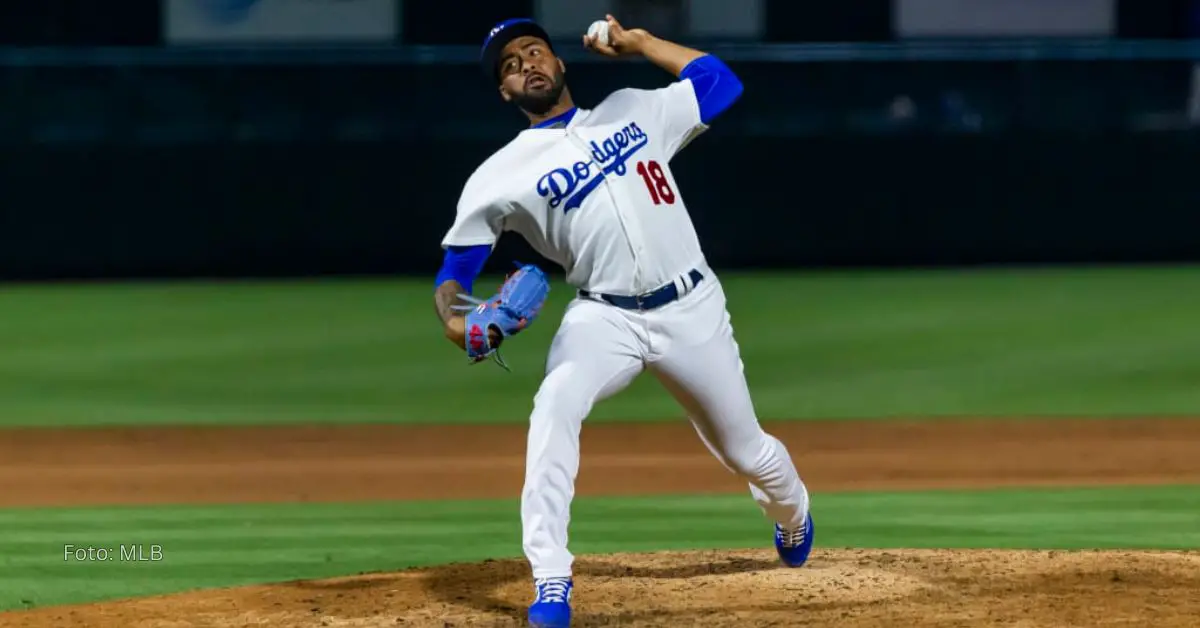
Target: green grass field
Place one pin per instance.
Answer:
(1101, 342)
(1078, 342)
(231, 545)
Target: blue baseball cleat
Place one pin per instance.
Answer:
(794, 546)
(551, 607)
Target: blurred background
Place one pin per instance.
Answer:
(173, 138)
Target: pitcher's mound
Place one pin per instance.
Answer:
(716, 588)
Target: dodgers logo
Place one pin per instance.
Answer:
(570, 186)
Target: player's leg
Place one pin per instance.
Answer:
(698, 360)
(595, 354)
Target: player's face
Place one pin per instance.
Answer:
(531, 76)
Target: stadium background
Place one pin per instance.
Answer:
(958, 237)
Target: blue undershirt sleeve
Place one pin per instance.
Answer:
(463, 264)
(716, 86)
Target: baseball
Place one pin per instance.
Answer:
(599, 29)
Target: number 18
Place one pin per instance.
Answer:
(656, 182)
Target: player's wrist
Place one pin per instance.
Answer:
(641, 41)
(455, 328)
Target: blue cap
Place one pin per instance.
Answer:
(498, 38)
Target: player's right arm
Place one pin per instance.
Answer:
(477, 226)
(460, 266)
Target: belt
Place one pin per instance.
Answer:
(650, 300)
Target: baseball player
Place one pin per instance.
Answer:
(592, 190)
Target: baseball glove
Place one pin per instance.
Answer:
(511, 310)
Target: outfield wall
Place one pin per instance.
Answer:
(276, 166)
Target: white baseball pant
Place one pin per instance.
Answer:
(598, 350)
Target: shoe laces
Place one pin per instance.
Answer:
(794, 537)
(553, 589)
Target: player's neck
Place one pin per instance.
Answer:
(564, 105)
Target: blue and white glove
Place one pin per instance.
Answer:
(511, 310)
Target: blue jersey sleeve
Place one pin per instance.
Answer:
(716, 86)
(463, 264)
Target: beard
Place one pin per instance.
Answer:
(538, 102)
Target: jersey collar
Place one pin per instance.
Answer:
(557, 122)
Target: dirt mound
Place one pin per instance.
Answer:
(717, 588)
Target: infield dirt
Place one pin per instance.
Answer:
(719, 588)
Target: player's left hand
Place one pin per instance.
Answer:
(621, 41)
(513, 309)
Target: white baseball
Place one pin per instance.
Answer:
(599, 30)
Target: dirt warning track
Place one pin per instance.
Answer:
(345, 463)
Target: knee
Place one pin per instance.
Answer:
(752, 458)
(559, 408)
(561, 400)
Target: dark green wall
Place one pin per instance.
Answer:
(276, 171)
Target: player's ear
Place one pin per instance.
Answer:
(504, 94)
(562, 66)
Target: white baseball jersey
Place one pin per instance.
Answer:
(596, 197)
